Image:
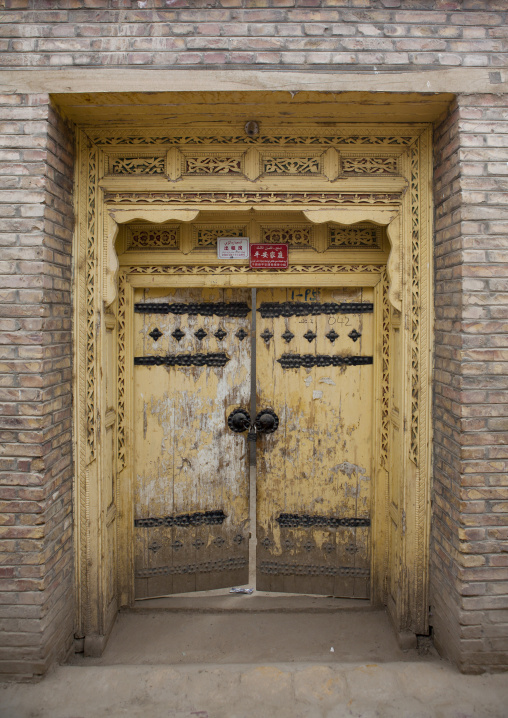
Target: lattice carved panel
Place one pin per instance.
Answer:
(91, 267)
(304, 136)
(121, 432)
(415, 304)
(271, 198)
(205, 236)
(135, 164)
(359, 236)
(245, 269)
(212, 163)
(296, 235)
(385, 375)
(291, 163)
(152, 237)
(370, 165)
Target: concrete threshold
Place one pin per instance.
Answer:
(205, 636)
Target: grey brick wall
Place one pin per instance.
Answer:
(328, 34)
(35, 384)
(470, 498)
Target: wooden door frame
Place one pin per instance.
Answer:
(101, 285)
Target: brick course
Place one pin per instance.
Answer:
(293, 33)
(36, 159)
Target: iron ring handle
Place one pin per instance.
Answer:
(266, 422)
(239, 420)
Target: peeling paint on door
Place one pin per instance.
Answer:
(191, 488)
(313, 468)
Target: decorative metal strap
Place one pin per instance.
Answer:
(205, 309)
(222, 564)
(294, 361)
(296, 569)
(294, 520)
(219, 359)
(198, 519)
(305, 309)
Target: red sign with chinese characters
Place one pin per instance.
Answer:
(269, 256)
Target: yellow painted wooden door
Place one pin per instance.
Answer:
(192, 367)
(314, 363)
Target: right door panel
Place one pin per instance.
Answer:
(314, 369)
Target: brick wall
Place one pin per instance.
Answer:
(35, 384)
(328, 34)
(469, 560)
(470, 529)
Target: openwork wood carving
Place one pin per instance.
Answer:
(212, 164)
(358, 236)
(293, 234)
(309, 137)
(242, 269)
(289, 164)
(252, 198)
(206, 236)
(121, 318)
(385, 376)
(136, 165)
(415, 303)
(155, 237)
(91, 266)
(422, 314)
(369, 165)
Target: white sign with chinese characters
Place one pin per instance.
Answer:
(233, 248)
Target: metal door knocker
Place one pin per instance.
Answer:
(266, 422)
(239, 420)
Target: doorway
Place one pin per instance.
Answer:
(308, 430)
(352, 201)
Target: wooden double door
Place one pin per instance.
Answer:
(197, 355)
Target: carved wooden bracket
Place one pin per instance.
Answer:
(115, 218)
(389, 218)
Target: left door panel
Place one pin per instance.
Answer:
(192, 367)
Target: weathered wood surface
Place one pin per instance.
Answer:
(319, 461)
(187, 461)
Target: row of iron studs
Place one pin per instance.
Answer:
(198, 543)
(310, 335)
(200, 334)
(266, 335)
